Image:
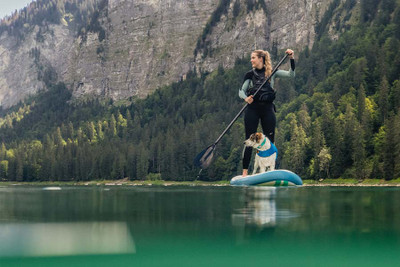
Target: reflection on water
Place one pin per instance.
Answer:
(260, 208)
(199, 226)
(259, 215)
(60, 239)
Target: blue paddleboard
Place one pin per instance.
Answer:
(273, 178)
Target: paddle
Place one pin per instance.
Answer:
(204, 158)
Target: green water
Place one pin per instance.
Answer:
(199, 226)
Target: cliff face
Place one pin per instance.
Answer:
(281, 24)
(23, 65)
(148, 44)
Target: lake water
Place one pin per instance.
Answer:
(199, 226)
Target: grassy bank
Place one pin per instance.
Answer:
(352, 182)
(126, 182)
(116, 183)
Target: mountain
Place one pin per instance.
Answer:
(123, 48)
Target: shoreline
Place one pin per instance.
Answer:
(126, 182)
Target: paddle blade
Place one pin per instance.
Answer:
(204, 158)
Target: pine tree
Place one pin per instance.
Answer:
(327, 123)
(142, 163)
(112, 127)
(304, 118)
(118, 170)
(384, 99)
(129, 125)
(19, 167)
(92, 135)
(58, 139)
(388, 149)
(394, 97)
(99, 130)
(131, 162)
(48, 158)
(324, 158)
(358, 152)
(4, 169)
(396, 148)
(338, 148)
(396, 21)
(67, 162)
(295, 154)
(70, 131)
(318, 143)
(350, 126)
(3, 152)
(361, 116)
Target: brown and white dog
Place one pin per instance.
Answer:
(266, 152)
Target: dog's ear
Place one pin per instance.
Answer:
(258, 137)
(253, 137)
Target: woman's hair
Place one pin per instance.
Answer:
(266, 59)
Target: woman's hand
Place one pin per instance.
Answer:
(290, 53)
(249, 99)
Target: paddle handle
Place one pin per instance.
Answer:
(245, 106)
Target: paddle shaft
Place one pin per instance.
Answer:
(245, 106)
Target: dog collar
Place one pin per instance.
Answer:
(263, 143)
(269, 152)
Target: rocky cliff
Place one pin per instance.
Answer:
(145, 44)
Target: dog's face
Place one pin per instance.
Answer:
(255, 140)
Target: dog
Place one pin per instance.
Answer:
(267, 152)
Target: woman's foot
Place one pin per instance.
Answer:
(244, 174)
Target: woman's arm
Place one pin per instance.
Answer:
(290, 73)
(284, 73)
(243, 90)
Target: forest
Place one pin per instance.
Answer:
(339, 117)
(80, 16)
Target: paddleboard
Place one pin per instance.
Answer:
(271, 178)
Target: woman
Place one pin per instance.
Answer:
(261, 106)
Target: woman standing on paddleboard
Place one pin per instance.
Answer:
(261, 106)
